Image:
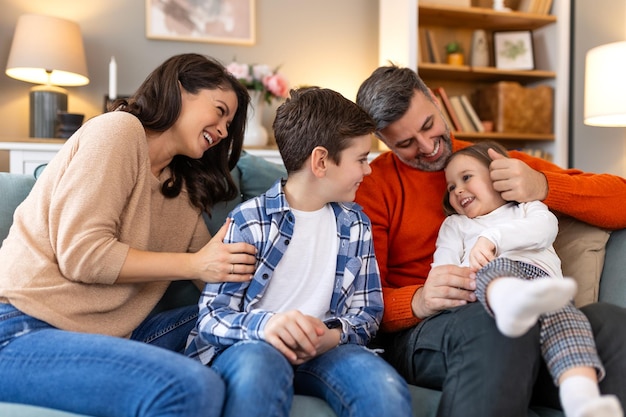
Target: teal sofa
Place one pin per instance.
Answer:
(254, 175)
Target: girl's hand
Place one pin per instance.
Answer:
(483, 252)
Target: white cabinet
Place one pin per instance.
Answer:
(25, 155)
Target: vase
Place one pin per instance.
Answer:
(255, 133)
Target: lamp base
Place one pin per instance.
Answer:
(45, 102)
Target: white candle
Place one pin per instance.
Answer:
(112, 79)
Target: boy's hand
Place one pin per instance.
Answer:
(295, 335)
(483, 252)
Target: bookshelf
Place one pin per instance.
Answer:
(401, 36)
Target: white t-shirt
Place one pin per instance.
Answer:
(305, 276)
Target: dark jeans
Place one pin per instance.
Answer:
(483, 373)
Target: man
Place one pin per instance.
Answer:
(437, 336)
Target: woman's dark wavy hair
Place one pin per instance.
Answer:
(157, 104)
(478, 151)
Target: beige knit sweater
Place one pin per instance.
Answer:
(71, 235)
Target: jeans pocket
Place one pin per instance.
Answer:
(14, 323)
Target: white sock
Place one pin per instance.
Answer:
(518, 303)
(580, 397)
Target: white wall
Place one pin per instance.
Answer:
(329, 43)
(596, 149)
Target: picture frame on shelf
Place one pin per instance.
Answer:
(513, 50)
(215, 21)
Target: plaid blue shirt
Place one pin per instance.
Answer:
(227, 311)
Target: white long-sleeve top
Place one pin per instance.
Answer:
(522, 232)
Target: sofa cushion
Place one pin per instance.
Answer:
(613, 277)
(581, 248)
(253, 175)
(13, 188)
(258, 175)
(221, 210)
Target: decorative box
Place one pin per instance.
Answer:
(515, 108)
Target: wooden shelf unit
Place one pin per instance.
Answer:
(481, 18)
(551, 45)
(432, 71)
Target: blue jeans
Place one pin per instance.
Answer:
(100, 375)
(351, 379)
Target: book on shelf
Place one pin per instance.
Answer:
(466, 123)
(424, 53)
(456, 124)
(547, 7)
(536, 152)
(456, 3)
(471, 113)
(444, 112)
(535, 6)
(432, 47)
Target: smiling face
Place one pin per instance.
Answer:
(470, 188)
(420, 138)
(204, 120)
(346, 176)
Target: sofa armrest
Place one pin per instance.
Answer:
(613, 279)
(13, 188)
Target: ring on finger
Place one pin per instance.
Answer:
(232, 269)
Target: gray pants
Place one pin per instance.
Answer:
(565, 335)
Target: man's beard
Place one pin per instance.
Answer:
(445, 141)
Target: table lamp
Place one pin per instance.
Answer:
(605, 85)
(47, 51)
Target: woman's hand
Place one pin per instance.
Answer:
(224, 262)
(215, 262)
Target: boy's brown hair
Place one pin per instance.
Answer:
(314, 116)
(479, 152)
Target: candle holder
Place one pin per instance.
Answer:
(108, 102)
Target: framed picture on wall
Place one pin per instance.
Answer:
(514, 50)
(218, 21)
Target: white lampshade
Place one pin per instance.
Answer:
(47, 50)
(605, 85)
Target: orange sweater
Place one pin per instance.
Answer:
(404, 205)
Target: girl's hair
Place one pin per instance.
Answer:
(157, 104)
(479, 152)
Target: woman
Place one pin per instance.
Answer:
(114, 218)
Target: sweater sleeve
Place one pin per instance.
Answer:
(377, 200)
(593, 198)
(93, 188)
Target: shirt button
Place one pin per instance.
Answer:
(265, 276)
(286, 241)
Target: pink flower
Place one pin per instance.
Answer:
(260, 71)
(260, 77)
(239, 71)
(277, 85)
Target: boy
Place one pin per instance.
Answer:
(301, 324)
